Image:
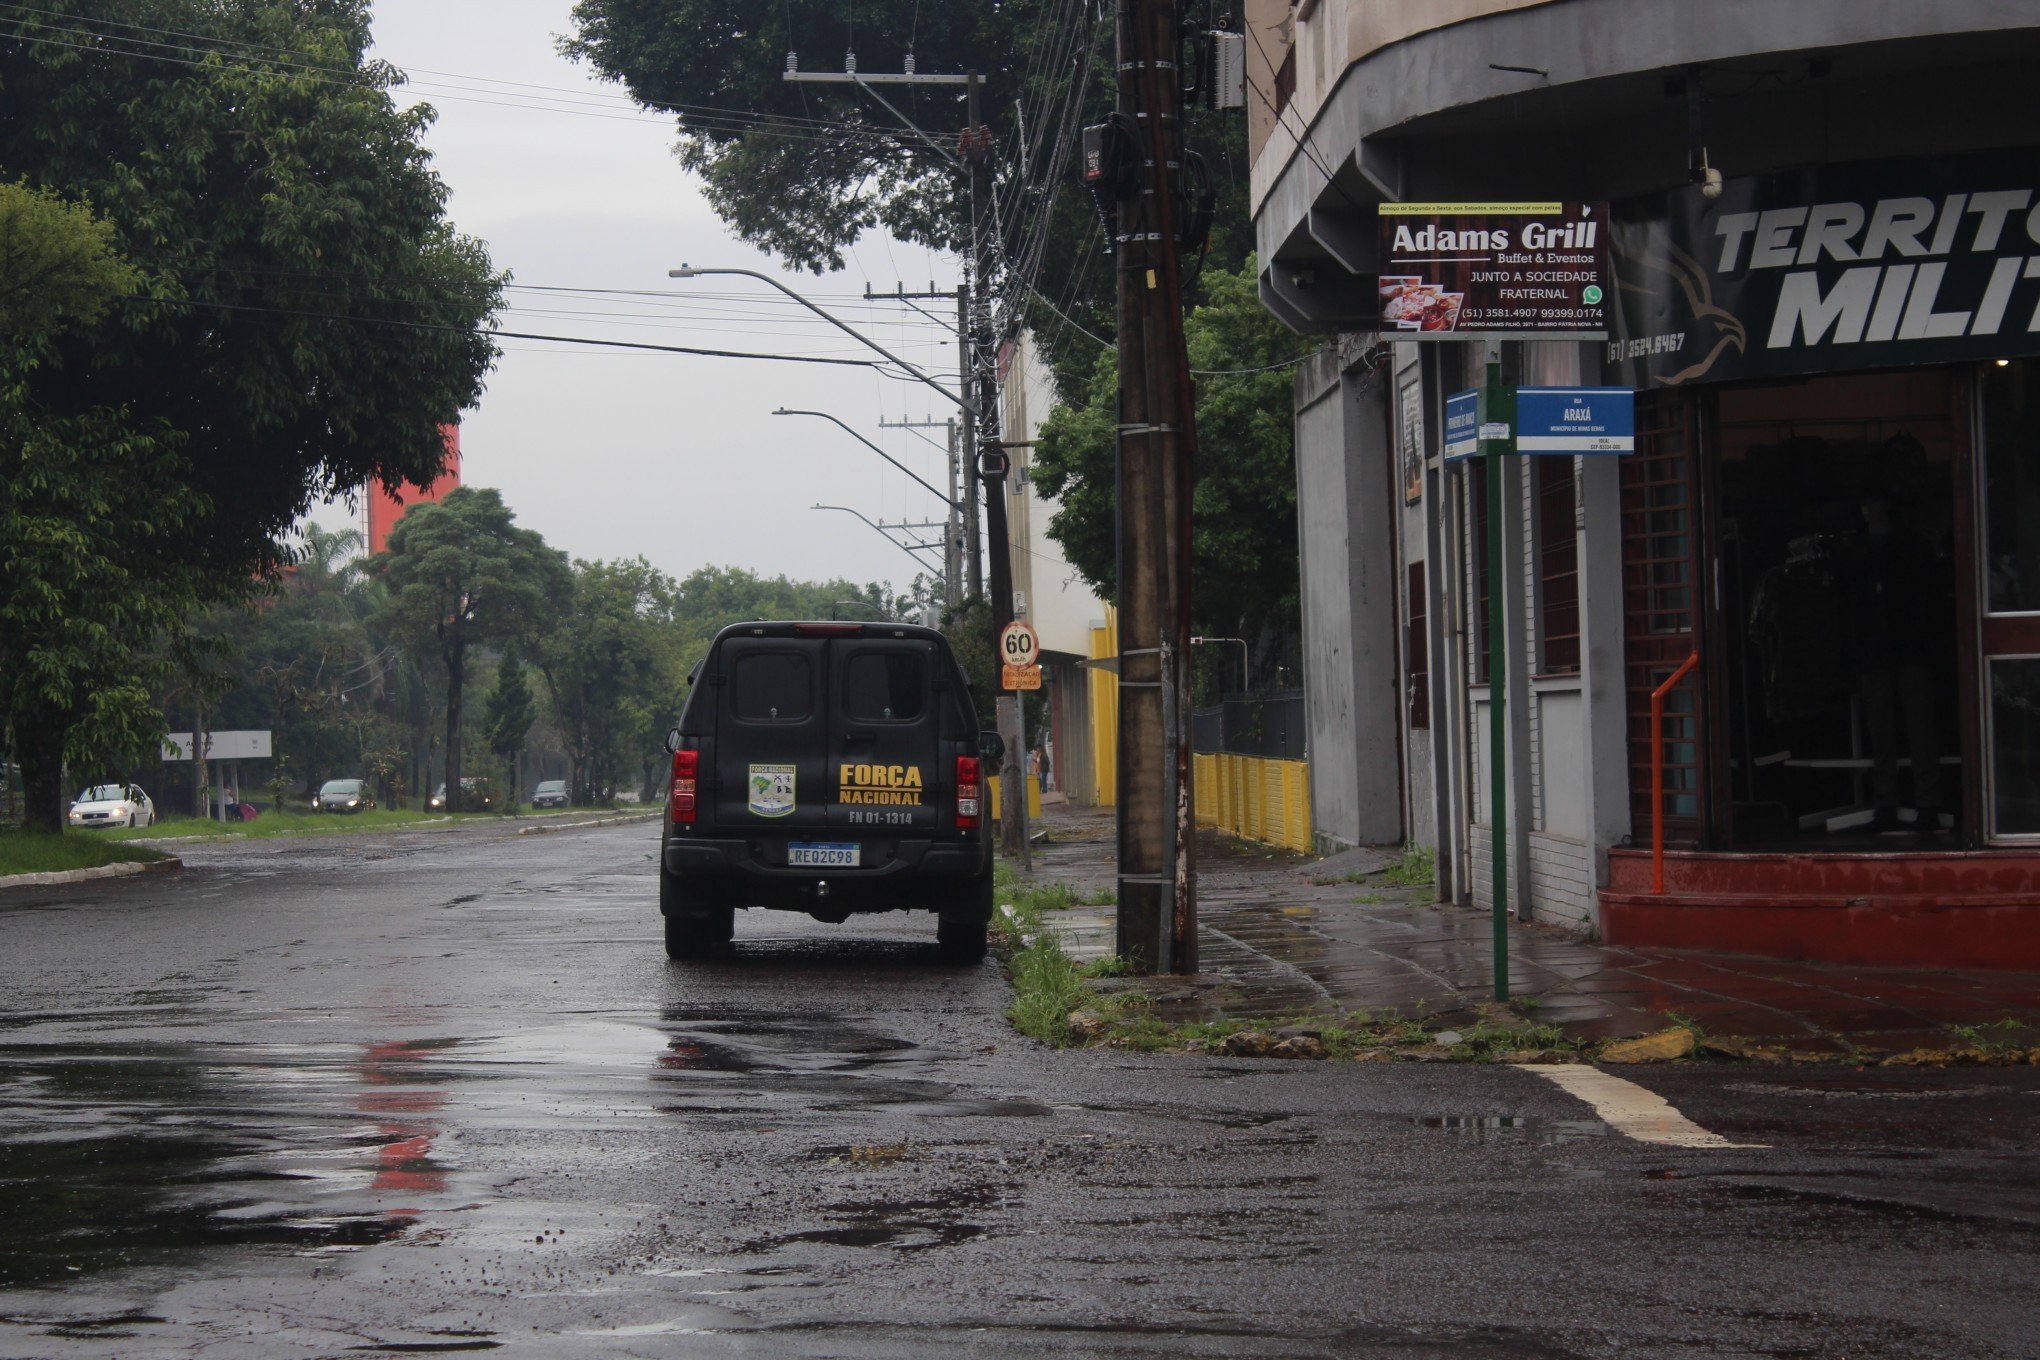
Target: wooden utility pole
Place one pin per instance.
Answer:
(1156, 442)
(981, 385)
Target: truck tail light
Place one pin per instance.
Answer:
(685, 763)
(969, 792)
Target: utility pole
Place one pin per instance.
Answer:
(953, 534)
(980, 353)
(1156, 443)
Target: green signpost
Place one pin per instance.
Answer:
(1497, 442)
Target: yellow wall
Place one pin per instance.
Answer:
(1255, 798)
(1033, 794)
(1105, 712)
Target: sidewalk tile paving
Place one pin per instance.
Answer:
(1284, 935)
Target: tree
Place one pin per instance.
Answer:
(611, 669)
(805, 170)
(1244, 553)
(462, 574)
(59, 264)
(509, 715)
(93, 508)
(303, 320)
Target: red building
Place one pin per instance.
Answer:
(384, 509)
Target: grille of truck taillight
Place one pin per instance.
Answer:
(681, 806)
(969, 791)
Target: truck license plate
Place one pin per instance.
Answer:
(823, 855)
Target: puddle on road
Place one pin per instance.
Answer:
(772, 1066)
(117, 1156)
(129, 1157)
(1482, 1127)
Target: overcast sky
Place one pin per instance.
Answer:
(610, 453)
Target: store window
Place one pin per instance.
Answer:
(1837, 569)
(1558, 566)
(2011, 594)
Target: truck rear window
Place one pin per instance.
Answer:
(888, 686)
(772, 687)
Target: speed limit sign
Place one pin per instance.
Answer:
(1019, 645)
(1019, 657)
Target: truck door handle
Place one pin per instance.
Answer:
(857, 735)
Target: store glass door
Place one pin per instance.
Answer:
(2009, 591)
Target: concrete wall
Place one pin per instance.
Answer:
(1346, 536)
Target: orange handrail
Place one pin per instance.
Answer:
(1657, 769)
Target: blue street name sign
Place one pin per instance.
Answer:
(1462, 425)
(1575, 420)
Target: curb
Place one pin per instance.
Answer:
(577, 826)
(127, 870)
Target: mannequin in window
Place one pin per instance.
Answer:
(1900, 600)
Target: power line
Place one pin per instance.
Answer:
(491, 334)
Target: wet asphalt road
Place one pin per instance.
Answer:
(444, 1093)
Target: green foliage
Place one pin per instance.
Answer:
(508, 715)
(806, 190)
(59, 265)
(1244, 572)
(93, 513)
(256, 225)
(1417, 867)
(461, 574)
(611, 669)
(281, 219)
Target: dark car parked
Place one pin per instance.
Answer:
(343, 795)
(550, 793)
(830, 768)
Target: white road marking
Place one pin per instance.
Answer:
(1631, 1109)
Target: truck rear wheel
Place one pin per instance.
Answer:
(694, 929)
(961, 941)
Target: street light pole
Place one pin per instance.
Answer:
(910, 549)
(686, 271)
(824, 415)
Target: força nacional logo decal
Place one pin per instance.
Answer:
(772, 790)
(881, 785)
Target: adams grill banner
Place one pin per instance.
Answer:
(1870, 265)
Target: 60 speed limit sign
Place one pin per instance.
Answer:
(1020, 655)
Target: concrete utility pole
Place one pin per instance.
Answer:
(981, 388)
(952, 534)
(1157, 439)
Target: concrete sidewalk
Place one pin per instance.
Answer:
(1283, 935)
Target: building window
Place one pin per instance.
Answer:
(1416, 654)
(1558, 566)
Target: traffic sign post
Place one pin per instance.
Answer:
(1019, 670)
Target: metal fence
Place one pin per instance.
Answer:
(1269, 726)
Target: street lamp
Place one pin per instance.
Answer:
(824, 415)
(910, 549)
(688, 271)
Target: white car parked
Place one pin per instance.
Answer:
(113, 805)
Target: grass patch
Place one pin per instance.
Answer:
(1417, 867)
(288, 824)
(1994, 1040)
(23, 852)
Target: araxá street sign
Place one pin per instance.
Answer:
(1019, 656)
(219, 746)
(1575, 420)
